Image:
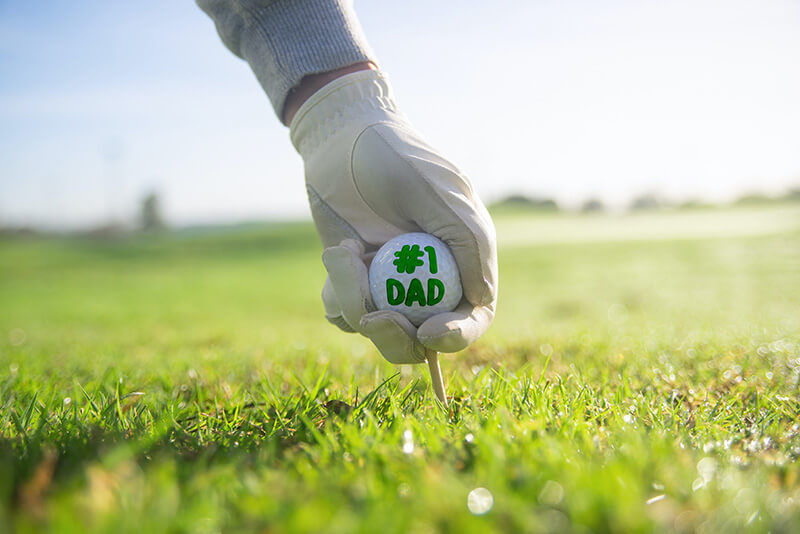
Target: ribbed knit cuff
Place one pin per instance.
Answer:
(284, 40)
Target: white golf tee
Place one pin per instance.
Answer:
(436, 377)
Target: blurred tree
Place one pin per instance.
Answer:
(525, 203)
(694, 204)
(593, 205)
(753, 198)
(151, 219)
(647, 201)
(793, 194)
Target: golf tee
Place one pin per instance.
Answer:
(436, 377)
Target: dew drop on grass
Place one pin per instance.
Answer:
(480, 501)
(552, 493)
(752, 518)
(706, 468)
(408, 442)
(67, 401)
(469, 438)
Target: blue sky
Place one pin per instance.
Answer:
(103, 101)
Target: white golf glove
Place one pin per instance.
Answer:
(370, 177)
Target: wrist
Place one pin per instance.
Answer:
(351, 101)
(311, 83)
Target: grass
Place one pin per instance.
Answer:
(188, 382)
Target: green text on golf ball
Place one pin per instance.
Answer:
(416, 275)
(407, 259)
(396, 293)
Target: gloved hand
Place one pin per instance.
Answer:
(370, 177)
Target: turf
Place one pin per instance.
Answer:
(632, 382)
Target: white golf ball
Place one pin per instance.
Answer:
(415, 274)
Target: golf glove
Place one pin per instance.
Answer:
(370, 177)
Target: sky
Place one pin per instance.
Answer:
(102, 102)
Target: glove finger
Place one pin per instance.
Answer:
(411, 185)
(465, 226)
(455, 330)
(349, 280)
(333, 312)
(394, 336)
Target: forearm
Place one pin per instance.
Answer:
(285, 41)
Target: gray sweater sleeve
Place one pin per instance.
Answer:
(284, 40)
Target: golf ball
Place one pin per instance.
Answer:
(415, 274)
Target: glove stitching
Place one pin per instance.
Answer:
(327, 125)
(352, 165)
(340, 322)
(316, 201)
